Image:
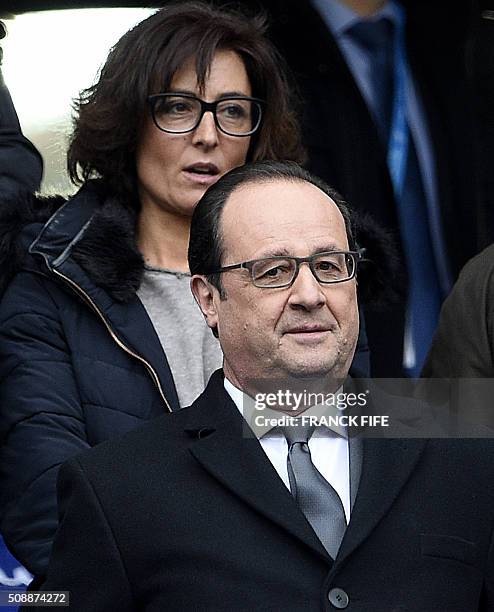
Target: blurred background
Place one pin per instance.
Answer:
(49, 56)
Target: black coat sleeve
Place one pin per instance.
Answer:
(86, 560)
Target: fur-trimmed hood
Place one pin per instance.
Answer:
(105, 246)
(106, 249)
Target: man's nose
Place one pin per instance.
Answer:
(306, 291)
(206, 133)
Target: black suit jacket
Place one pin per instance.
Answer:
(188, 514)
(344, 147)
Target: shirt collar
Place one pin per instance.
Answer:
(241, 399)
(236, 394)
(339, 18)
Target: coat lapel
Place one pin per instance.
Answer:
(129, 325)
(386, 466)
(227, 449)
(355, 460)
(132, 323)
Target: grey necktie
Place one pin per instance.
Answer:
(314, 495)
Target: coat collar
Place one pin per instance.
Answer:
(89, 243)
(96, 231)
(225, 449)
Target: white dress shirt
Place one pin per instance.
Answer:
(329, 453)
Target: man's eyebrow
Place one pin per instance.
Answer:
(275, 252)
(284, 252)
(324, 248)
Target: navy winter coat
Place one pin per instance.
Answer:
(80, 361)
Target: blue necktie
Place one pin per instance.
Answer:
(424, 296)
(376, 39)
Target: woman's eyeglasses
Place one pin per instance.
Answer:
(178, 113)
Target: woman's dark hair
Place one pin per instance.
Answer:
(110, 114)
(205, 243)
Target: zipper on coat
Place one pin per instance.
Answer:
(116, 339)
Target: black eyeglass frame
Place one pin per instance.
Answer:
(248, 265)
(205, 107)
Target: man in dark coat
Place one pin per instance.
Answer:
(193, 512)
(95, 351)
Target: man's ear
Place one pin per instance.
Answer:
(204, 294)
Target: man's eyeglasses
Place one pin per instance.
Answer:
(181, 113)
(274, 272)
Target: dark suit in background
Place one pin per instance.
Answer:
(187, 513)
(344, 146)
(464, 344)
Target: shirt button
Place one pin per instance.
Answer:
(338, 598)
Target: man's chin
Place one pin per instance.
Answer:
(312, 369)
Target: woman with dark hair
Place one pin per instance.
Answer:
(98, 328)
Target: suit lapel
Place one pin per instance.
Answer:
(236, 459)
(386, 466)
(355, 460)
